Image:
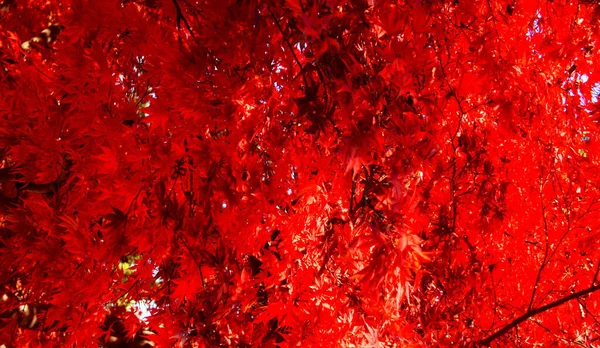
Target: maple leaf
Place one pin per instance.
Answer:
(194, 157)
(355, 163)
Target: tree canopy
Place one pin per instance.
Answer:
(276, 173)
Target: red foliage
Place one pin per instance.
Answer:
(282, 173)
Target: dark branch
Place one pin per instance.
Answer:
(534, 312)
(181, 17)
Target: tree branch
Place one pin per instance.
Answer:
(530, 313)
(181, 17)
(287, 41)
(596, 273)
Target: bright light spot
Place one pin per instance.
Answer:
(595, 92)
(143, 309)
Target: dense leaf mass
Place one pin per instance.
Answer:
(277, 173)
